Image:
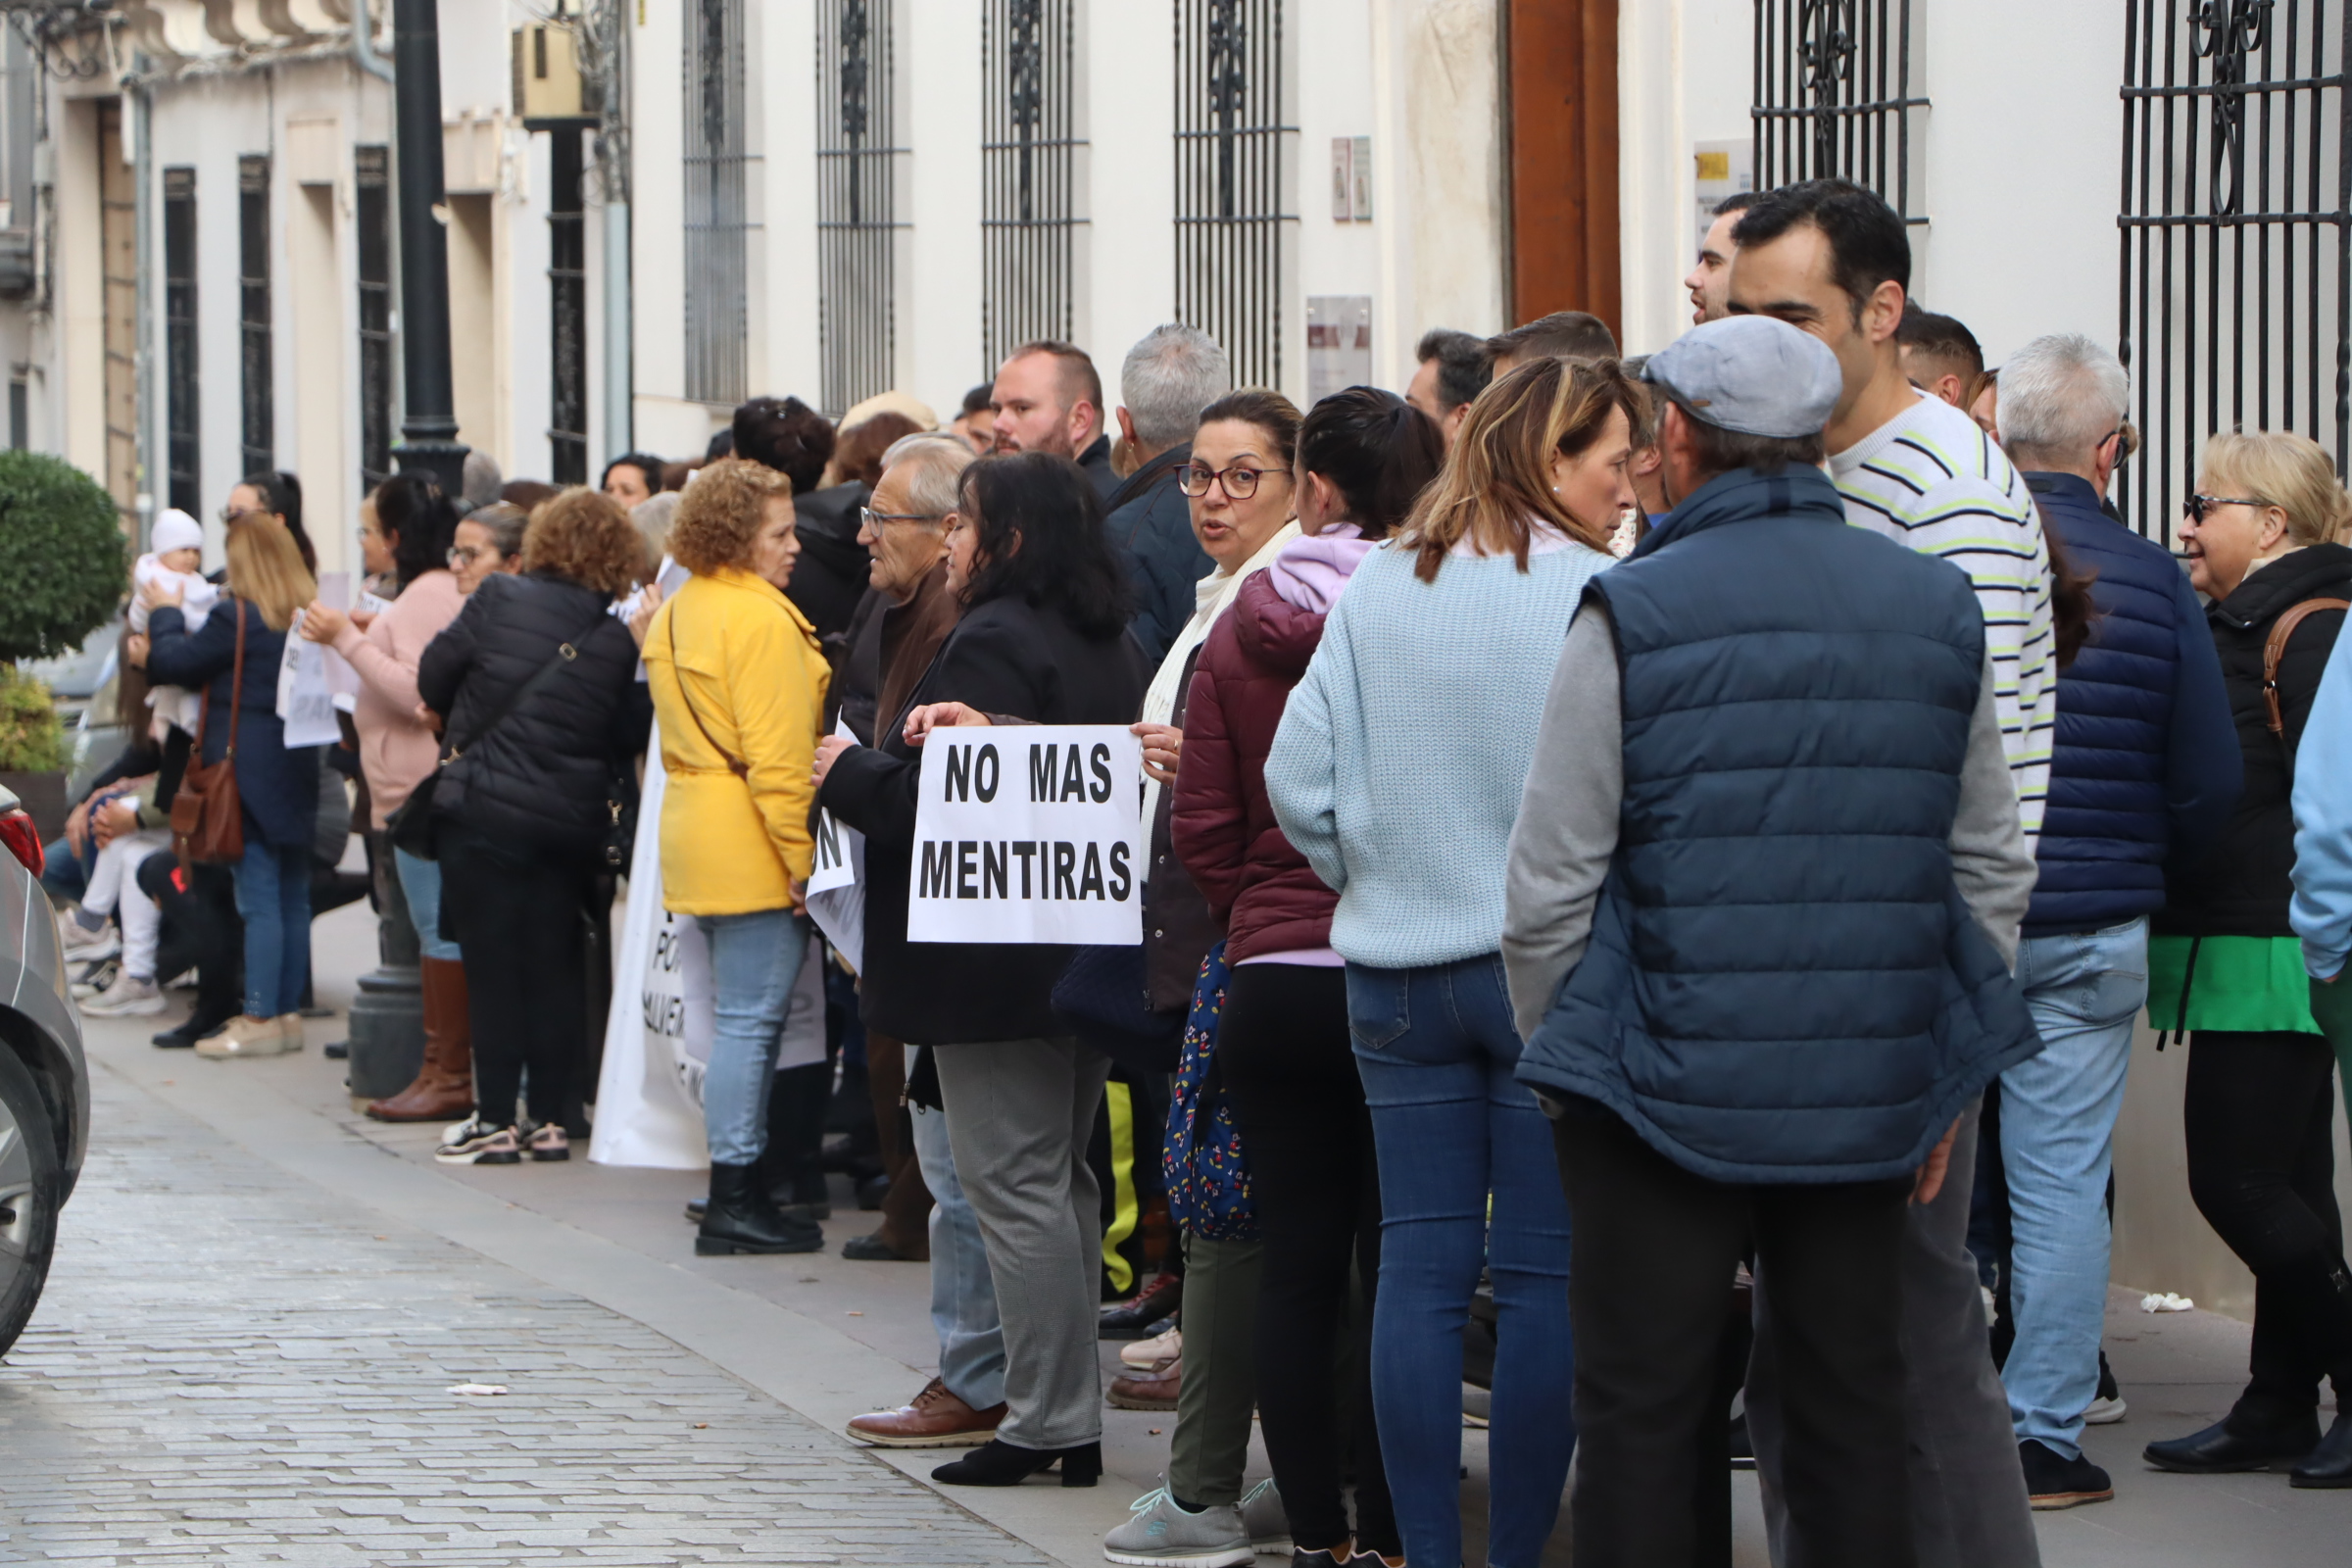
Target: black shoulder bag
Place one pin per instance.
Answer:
(410, 827)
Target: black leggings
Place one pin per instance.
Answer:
(2258, 1117)
(1283, 1054)
(522, 925)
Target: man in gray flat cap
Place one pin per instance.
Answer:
(1764, 894)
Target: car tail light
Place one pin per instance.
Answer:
(22, 839)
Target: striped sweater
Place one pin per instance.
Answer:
(1930, 478)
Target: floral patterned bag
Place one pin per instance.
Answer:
(1208, 1179)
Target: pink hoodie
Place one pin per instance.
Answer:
(1313, 569)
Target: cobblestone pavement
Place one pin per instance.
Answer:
(232, 1368)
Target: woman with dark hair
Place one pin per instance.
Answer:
(397, 748)
(488, 540)
(1043, 640)
(277, 495)
(1433, 667)
(631, 478)
(1283, 1050)
(535, 683)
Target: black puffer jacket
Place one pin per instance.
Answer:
(541, 778)
(2242, 886)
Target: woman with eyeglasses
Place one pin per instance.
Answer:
(488, 541)
(2262, 534)
(411, 523)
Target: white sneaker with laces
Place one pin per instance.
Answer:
(1145, 1355)
(243, 1037)
(130, 997)
(1159, 1532)
(81, 943)
(1265, 1518)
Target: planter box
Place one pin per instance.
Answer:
(43, 796)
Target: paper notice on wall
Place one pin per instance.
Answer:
(306, 702)
(1029, 834)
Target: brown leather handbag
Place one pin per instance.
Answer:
(208, 819)
(2274, 652)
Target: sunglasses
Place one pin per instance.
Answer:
(2195, 507)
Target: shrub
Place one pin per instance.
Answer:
(60, 554)
(32, 740)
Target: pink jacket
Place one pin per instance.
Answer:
(396, 748)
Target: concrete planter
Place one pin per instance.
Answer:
(43, 796)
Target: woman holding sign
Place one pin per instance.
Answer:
(234, 660)
(739, 686)
(1043, 640)
(1396, 772)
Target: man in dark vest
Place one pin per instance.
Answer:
(1764, 895)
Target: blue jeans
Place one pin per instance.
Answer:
(420, 885)
(1436, 1049)
(754, 962)
(273, 895)
(2058, 1113)
(63, 873)
(964, 1293)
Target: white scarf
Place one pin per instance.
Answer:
(1213, 595)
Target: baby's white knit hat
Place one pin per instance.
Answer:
(175, 530)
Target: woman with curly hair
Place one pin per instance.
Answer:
(535, 685)
(738, 682)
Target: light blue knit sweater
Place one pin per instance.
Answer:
(1403, 750)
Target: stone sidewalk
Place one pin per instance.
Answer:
(243, 1208)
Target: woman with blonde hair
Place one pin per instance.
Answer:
(234, 660)
(2261, 531)
(542, 716)
(1433, 668)
(738, 683)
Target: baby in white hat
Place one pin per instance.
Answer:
(177, 556)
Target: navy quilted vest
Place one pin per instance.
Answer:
(1783, 985)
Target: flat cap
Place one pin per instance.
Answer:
(1752, 374)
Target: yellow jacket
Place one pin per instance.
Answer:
(735, 841)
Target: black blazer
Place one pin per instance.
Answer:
(1005, 657)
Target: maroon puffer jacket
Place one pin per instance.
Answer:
(1223, 827)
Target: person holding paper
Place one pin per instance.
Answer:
(738, 684)
(1396, 772)
(397, 748)
(267, 585)
(1043, 639)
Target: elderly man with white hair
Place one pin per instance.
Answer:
(2144, 771)
(1169, 376)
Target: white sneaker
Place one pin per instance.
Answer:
(92, 978)
(244, 1037)
(1145, 1355)
(289, 1024)
(130, 997)
(81, 943)
(1162, 1533)
(1266, 1520)
(2105, 1412)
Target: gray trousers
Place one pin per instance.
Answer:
(1968, 1492)
(1020, 1114)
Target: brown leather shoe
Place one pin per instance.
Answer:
(1154, 1390)
(444, 1086)
(935, 1419)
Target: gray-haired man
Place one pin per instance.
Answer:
(1168, 378)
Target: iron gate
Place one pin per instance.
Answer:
(1231, 147)
(856, 197)
(1833, 96)
(2236, 231)
(718, 218)
(568, 311)
(255, 385)
(182, 403)
(1029, 154)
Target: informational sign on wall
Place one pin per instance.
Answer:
(1720, 169)
(1029, 834)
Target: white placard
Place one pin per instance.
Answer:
(1029, 834)
(306, 702)
(839, 850)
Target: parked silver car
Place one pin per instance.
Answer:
(44, 1080)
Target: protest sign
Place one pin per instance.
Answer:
(305, 700)
(837, 887)
(1029, 834)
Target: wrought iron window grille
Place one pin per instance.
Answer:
(183, 418)
(371, 182)
(1029, 151)
(1834, 97)
(2234, 234)
(857, 155)
(717, 210)
(1235, 155)
(257, 377)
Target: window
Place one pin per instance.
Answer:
(182, 420)
(2236, 229)
(253, 293)
(1832, 96)
(1231, 144)
(717, 299)
(856, 135)
(1028, 155)
(567, 301)
(372, 177)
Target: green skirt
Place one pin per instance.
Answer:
(2251, 985)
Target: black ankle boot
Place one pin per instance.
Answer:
(791, 1165)
(742, 1218)
(2331, 1463)
(1002, 1464)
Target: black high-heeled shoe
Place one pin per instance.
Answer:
(1004, 1464)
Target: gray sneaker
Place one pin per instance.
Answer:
(1162, 1533)
(1265, 1518)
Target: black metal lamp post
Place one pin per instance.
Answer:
(428, 424)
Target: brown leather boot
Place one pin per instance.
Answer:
(444, 1086)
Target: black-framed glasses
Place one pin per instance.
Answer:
(868, 518)
(2195, 507)
(1240, 481)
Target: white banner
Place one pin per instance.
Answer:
(1029, 834)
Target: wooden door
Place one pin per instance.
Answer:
(1560, 73)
